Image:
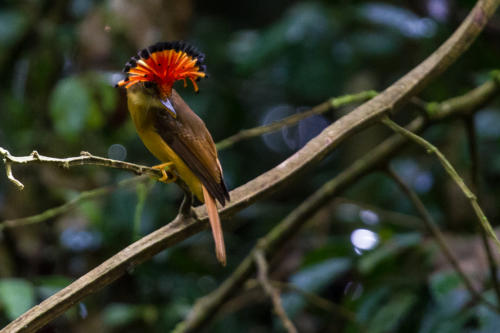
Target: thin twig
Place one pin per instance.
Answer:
(83, 196)
(333, 103)
(314, 299)
(142, 191)
(475, 176)
(182, 227)
(85, 158)
(468, 102)
(10, 176)
(262, 277)
(389, 217)
(430, 148)
(438, 236)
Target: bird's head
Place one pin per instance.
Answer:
(157, 67)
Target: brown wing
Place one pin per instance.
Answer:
(189, 138)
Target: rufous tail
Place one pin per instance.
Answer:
(213, 217)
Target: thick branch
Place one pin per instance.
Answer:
(205, 309)
(182, 227)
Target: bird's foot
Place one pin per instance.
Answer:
(166, 177)
(186, 205)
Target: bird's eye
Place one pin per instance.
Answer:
(149, 84)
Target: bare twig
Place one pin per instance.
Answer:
(10, 176)
(87, 195)
(314, 299)
(475, 174)
(142, 191)
(430, 148)
(388, 216)
(262, 277)
(468, 102)
(438, 236)
(182, 226)
(85, 158)
(333, 103)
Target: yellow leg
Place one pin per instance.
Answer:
(165, 178)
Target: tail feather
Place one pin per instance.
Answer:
(213, 217)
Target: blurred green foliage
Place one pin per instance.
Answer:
(16, 296)
(59, 61)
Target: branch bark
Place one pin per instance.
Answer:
(182, 227)
(206, 308)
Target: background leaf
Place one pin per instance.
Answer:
(16, 296)
(70, 105)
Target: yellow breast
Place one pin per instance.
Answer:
(144, 123)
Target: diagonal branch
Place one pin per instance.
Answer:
(263, 278)
(182, 227)
(483, 220)
(205, 308)
(333, 103)
(475, 176)
(86, 195)
(314, 299)
(438, 236)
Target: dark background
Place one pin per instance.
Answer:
(59, 61)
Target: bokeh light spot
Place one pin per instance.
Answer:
(117, 152)
(368, 217)
(364, 239)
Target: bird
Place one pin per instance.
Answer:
(171, 130)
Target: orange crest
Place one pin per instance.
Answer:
(163, 64)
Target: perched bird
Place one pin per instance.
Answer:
(168, 127)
